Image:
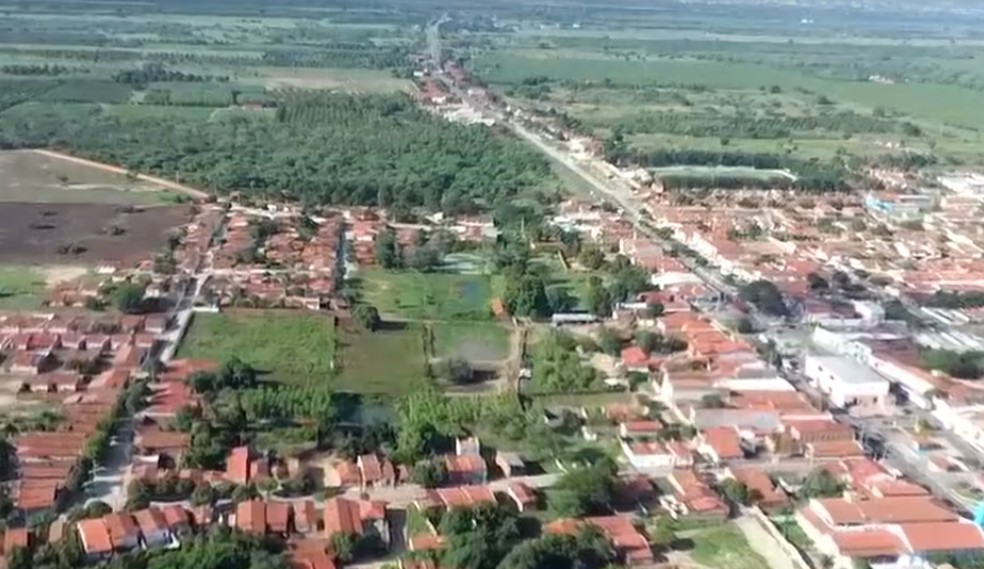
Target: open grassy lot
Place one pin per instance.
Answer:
(724, 547)
(21, 288)
(427, 296)
(386, 362)
(471, 341)
(27, 176)
(289, 346)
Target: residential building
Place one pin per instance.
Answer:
(847, 384)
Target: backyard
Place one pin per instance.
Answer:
(724, 547)
(287, 346)
(427, 296)
(470, 341)
(389, 361)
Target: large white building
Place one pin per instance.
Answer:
(847, 383)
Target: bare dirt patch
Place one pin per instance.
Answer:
(84, 234)
(41, 176)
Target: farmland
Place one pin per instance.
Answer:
(650, 90)
(31, 177)
(285, 346)
(419, 296)
(86, 233)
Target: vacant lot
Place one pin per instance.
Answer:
(388, 361)
(79, 234)
(27, 176)
(21, 288)
(431, 296)
(471, 341)
(289, 346)
(725, 547)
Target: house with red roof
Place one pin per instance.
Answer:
(356, 518)
(375, 472)
(720, 444)
(237, 465)
(96, 542)
(903, 531)
(466, 469)
(630, 544)
(763, 491)
(692, 497)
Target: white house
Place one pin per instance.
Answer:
(847, 383)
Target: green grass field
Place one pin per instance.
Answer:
(724, 547)
(386, 362)
(430, 296)
(290, 346)
(21, 288)
(471, 341)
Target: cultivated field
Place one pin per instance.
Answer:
(387, 362)
(84, 233)
(287, 346)
(27, 176)
(431, 296)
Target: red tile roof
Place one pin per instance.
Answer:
(237, 465)
(121, 527)
(151, 521)
(95, 536)
(926, 537)
(251, 517)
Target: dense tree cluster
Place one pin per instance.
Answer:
(955, 299)
(321, 148)
(765, 296)
(557, 367)
(961, 365)
(480, 537)
(716, 125)
(589, 549)
(585, 491)
(340, 55)
(155, 71)
(40, 69)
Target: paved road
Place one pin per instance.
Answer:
(608, 189)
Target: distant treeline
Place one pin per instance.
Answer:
(156, 72)
(41, 70)
(812, 175)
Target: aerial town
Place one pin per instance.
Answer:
(626, 371)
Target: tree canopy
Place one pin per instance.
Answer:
(584, 491)
(326, 148)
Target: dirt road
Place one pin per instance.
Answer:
(188, 190)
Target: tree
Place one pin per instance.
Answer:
(584, 491)
(609, 341)
(367, 316)
(244, 493)
(712, 401)
(655, 310)
(429, 473)
(202, 495)
(343, 545)
(648, 341)
(128, 298)
(455, 370)
(588, 549)
(425, 259)
(388, 252)
(525, 295)
(817, 282)
(597, 298)
(736, 492)
(478, 538)
(592, 258)
(766, 296)
(820, 484)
